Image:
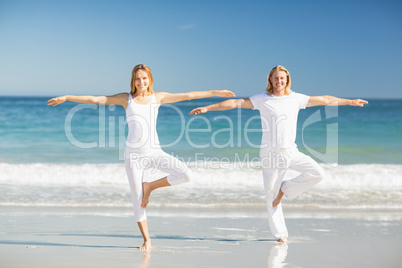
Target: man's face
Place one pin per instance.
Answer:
(279, 81)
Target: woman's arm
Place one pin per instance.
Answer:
(118, 99)
(164, 97)
(334, 101)
(224, 105)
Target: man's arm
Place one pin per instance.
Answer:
(224, 105)
(334, 101)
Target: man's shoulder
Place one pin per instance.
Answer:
(296, 94)
(260, 96)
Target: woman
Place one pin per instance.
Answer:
(142, 146)
(279, 107)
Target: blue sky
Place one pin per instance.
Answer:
(341, 48)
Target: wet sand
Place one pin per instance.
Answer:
(109, 237)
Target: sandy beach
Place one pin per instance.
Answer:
(102, 237)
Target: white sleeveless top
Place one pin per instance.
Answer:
(141, 119)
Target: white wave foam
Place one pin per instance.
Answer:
(232, 175)
(105, 185)
(62, 174)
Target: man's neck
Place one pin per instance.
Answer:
(279, 94)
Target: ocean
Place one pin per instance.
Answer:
(72, 155)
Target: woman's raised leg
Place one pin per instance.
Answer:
(178, 173)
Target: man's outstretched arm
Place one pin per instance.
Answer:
(334, 101)
(225, 105)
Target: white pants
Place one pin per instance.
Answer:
(275, 162)
(136, 164)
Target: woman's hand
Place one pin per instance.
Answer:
(358, 102)
(56, 101)
(199, 110)
(224, 93)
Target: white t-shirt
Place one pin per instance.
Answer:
(279, 118)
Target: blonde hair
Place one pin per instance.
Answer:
(146, 69)
(270, 88)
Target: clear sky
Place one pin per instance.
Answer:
(343, 48)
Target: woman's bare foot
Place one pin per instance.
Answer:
(146, 246)
(278, 199)
(146, 191)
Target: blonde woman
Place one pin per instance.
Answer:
(142, 145)
(279, 107)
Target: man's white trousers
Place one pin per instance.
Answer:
(275, 162)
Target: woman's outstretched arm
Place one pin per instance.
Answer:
(224, 105)
(334, 101)
(118, 99)
(164, 97)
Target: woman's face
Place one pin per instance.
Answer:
(141, 81)
(279, 81)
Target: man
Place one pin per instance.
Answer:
(279, 108)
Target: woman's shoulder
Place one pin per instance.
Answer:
(123, 95)
(160, 93)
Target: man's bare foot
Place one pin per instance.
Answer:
(146, 191)
(282, 240)
(278, 199)
(146, 246)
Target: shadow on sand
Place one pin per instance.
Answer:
(156, 237)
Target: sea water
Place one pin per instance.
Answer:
(72, 155)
